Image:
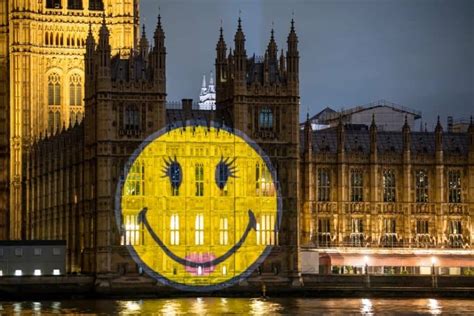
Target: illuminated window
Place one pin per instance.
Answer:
(421, 186)
(265, 119)
(423, 238)
(133, 231)
(96, 5)
(324, 232)
(56, 272)
(263, 179)
(135, 184)
(37, 272)
(53, 4)
(18, 273)
(324, 188)
(454, 183)
(132, 118)
(199, 230)
(389, 186)
(54, 121)
(266, 230)
(54, 89)
(422, 226)
(357, 185)
(223, 231)
(455, 237)
(174, 230)
(74, 4)
(75, 90)
(224, 270)
(455, 227)
(357, 232)
(199, 178)
(389, 237)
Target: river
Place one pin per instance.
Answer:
(244, 306)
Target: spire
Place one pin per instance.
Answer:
(144, 45)
(406, 135)
(372, 124)
(373, 135)
(204, 85)
(308, 133)
(438, 128)
(272, 48)
(159, 35)
(239, 39)
(439, 136)
(292, 56)
(104, 34)
(211, 79)
(90, 42)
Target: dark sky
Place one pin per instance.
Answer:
(417, 53)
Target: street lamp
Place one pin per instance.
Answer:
(366, 261)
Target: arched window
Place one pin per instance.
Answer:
(75, 90)
(96, 5)
(265, 119)
(54, 89)
(46, 38)
(132, 118)
(74, 4)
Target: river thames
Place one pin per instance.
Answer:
(244, 306)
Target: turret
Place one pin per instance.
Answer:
(89, 60)
(103, 55)
(282, 63)
(221, 61)
(340, 136)
(204, 85)
(406, 140)
(144, 45)
(158, 56)
(292, 56)
(272, 49)
(439, 141)
(240, 54)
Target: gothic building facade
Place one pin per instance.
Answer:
(42, 45)
(349, 188)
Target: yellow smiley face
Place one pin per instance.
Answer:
(199, 207)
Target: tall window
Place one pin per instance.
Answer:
(199, 179)
(132, 118)
(357, 185)
(74, 4)
(389, 237)
(53, 4)
(265, 119)
(223, 231)
(324, 232)
(133, 231)
(454, 183)
(199, 230)
(455, 234)
(389, 186)
(96, 5)
(422, 226)
(75, 90)
(266, 230)
(263, 180)
(357, 233)
(423, 237)
(174, 229)
(324, 185)
(54, 89)
(421, 186)
(54, 121)
(135, 184)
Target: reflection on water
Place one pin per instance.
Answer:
(243, 306)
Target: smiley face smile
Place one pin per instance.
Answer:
(252, 225)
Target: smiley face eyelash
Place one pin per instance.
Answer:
(225, 169)
(172, 169)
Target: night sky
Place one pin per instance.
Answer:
(416, 53)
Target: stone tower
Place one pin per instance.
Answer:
(260, 97)
(124, 103)
(42, 44)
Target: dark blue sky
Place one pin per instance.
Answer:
(417, 53)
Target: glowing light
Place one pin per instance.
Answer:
(366, 260)
(366, 308)
(433, 260)
(434, 307)
(133, 306)
(18, 273)
(56, 272)
(37, 272)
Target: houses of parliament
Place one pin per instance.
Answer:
(81, 87)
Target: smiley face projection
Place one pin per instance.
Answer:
(199, 207)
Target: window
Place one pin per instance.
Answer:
(18, 273)
(1, 251)
(423, 238)
(53, 4)
(37, 272)
(455, 234)
(199, 230)
(74, 4)
(265, 119)
(357, 186)
(266, 230)
(455, 227)
(132, 118)
(54, 122)
(223, 231)
(199, 179)
(56, 251)
(357, 232)
(263, 180)
(1, 273)
(56, 272)
(135, 184)
(422, 226)
(389, 186)
(324, 232)
(421, 186)
(54, 89)
(174, 230)
(18, 252)
(454, 183)
(37, 251)
(133, 234)
(96, 5)
(75, 90)
(389, 237)
(324, 189)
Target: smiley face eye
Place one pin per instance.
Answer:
(172, 169)
(224, 170)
